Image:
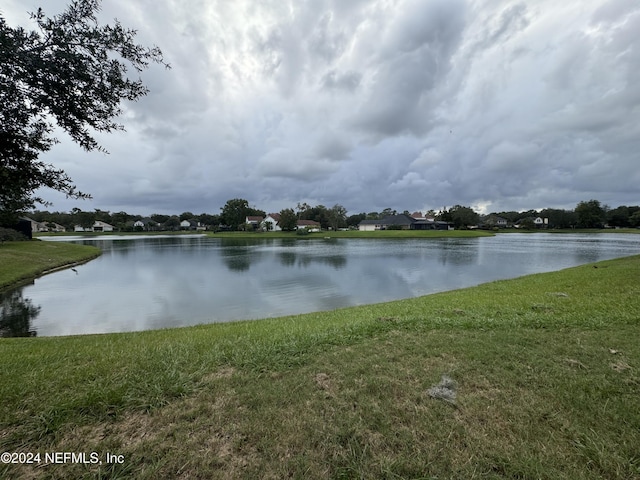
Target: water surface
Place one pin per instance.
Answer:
(143, 283)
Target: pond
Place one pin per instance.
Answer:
(151, 282)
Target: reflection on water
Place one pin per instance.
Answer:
(142, 283)
(16, 315)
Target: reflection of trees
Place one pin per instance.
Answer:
(289, 259)
(458, 252)
(16, 314)
(239, 254)
(237, 263)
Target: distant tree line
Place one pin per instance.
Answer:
(587, 214)
(232, 216)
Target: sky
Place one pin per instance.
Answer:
(371, 104)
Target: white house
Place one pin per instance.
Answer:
(254, 221)
(98, 226)
(271, 222)
(310, 225)
(191, 225)
(55, 227)
(369, 225)
(145, 224)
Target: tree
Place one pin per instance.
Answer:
(210, 220)
(159, 218)
(590, 214)
(559, 218)
(234, 213)
(70, 72)
(619, 217)
(172, 223)
(83, 219)
(354, 220)
(319, 214)
(463, 217)
(288, 219)
(337, 216)
(120, 219)
(301, 208)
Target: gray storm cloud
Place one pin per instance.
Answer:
(371, 104)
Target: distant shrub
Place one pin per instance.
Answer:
(302, 231)
(11, 235)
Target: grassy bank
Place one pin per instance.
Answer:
(20, 261)
(546, 369)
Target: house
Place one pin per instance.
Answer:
(271, 222)
(253, 222)
(98, 226)
(494, 220)
(38, 227)
(35, 226)
(56, 227)
(191, 224)
(310, 225)
(145, 224)
(402, 222)
(369, 225)
(537, 222)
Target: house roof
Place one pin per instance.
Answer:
(307, 223)
(401, 219)
(254, 219)
(100, 223)
(275, 216)
(145, 221)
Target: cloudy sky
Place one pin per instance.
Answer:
(407, 104)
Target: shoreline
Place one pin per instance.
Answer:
(23, 262)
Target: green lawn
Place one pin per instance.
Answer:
(21, 261)
(546, 369)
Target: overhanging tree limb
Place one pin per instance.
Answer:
(71, 72)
